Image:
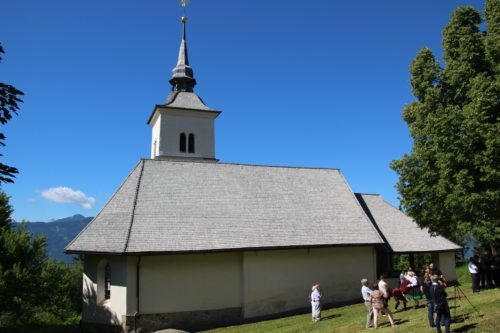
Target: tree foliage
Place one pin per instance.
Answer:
(450, 183)
(401, 262)
(34, 291)
(9, 99)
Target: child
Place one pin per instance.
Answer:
(399, 296)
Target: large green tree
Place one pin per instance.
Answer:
(450, 183)
(34, 291)
(9, 99)
(21, 261)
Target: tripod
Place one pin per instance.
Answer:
(459, 293)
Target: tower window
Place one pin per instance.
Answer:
(191, 143)
(107, 282)
(182, 143)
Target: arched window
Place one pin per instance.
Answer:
(107, 282)
(191, 143)
(154, 149)
(103, 290)
(182, 143)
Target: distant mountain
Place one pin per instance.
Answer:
(59, 233)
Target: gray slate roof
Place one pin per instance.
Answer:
(186, 100)
(183, 100)
(399, 230)
(174, 206)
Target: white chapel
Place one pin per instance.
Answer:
(189, 242)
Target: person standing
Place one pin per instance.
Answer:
(425, 288)
(486, 262)
(438, 295)
(435, 270)
(495, 270)
(379, 307)
(383, 286)
(401, 278)
(414, 288)
(316, 295)
(366, 293)
(474, 273)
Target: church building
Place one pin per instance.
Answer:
(189, 242)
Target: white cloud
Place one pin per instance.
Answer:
(67, 195)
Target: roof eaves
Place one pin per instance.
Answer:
(457, 247)
(163, 106)
(260, 248)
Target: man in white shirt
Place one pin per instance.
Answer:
(315, 302)
(366, 293)
(474, 273)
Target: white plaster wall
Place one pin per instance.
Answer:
(190, 282)
(447, 265)
(279, 281)
(155, 124)
(131, 276)
(118, 301)
(198, 123)
(96, 310)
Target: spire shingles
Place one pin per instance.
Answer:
(182, 74)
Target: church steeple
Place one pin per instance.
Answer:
(182, 74)
(183, 127)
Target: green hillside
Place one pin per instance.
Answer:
(59, 233)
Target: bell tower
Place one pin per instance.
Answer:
(183, 127)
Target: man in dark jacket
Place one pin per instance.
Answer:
(495, 270)
(426, 289)
(438, 295)
(486, 262)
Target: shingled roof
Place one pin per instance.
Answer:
(400, 231)
(167, 206)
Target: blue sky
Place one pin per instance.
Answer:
(300, 83)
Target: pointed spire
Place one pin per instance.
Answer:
(182, 74)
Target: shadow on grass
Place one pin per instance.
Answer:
(460, 318)
(398, 322)
(465, 328)
(402, 310)
(332, 316)
(45, 329)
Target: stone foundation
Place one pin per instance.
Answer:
(190, 321)
(100, 328)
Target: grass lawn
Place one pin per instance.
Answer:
(482, 316)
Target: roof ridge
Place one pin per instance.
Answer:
(132, 214)
(247, 164)
(364, 207)
(355, 197)
(102, 209)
